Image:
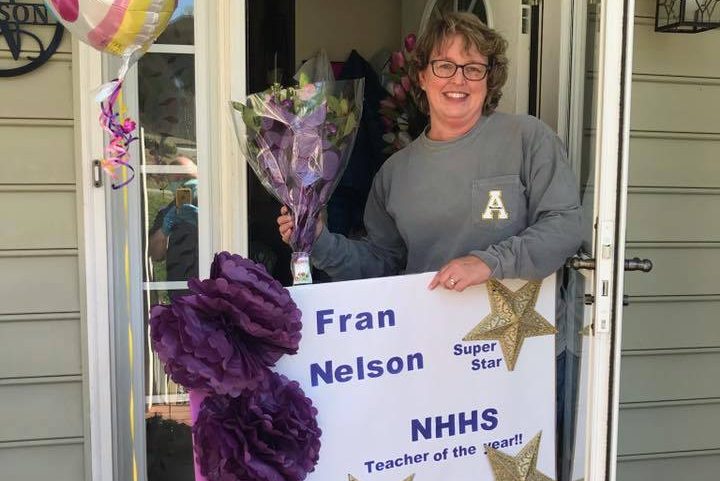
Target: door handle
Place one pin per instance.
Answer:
(578, 263)
(634, 264)
(637, 264)
(589, 300)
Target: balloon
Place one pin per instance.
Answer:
(125, 28)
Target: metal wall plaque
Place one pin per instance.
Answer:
(20, 24)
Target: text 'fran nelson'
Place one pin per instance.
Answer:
(360, 368)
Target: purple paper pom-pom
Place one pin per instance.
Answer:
(269, 434)
(275, 320)
(223, 337)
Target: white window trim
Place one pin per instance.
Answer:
(164, 286)
(89, 142)
(167, 169)
(220, 58)
(172, 48)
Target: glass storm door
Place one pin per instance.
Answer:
(591, 287)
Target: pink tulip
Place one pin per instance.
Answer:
(307, 92)
(410, 41)
(405, 82)
(397, 61)
(399, 93)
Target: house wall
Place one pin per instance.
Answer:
(670, 394)
(411, 16)
(368, 26)
(42, 383)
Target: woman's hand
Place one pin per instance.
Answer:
(286, 224)
(461, 273)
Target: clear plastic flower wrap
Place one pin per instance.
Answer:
(298, 141)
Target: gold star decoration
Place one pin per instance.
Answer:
(512, 318)
(353, 478)
(517, 468)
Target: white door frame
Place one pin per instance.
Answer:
(95, 303)
(611, 154)
(626, 49)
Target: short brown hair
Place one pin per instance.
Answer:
(475, 34)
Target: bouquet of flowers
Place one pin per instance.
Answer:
(298, 142)
(401, 117)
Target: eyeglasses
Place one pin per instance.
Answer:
(471, 71)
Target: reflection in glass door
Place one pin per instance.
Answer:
(575, 316)
(155, 238)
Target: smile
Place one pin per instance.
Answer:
(455, 95)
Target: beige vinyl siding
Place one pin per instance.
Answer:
(42, 387)
(670, 371)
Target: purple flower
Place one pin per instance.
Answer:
(223, 337)
(266, 123)
(331, 167)
(269, 434)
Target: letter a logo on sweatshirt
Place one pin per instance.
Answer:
(495, 208)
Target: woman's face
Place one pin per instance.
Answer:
(456, 101)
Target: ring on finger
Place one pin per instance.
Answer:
(452, 281)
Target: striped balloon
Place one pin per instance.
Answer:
(119, 27)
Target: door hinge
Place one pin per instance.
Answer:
(97, 173)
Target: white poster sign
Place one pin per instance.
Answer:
(399, 393)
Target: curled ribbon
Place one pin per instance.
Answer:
(121, 136)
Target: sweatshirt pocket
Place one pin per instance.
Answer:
(498, 202)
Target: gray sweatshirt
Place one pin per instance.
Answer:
(502, 192)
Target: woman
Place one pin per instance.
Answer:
(480, 194)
